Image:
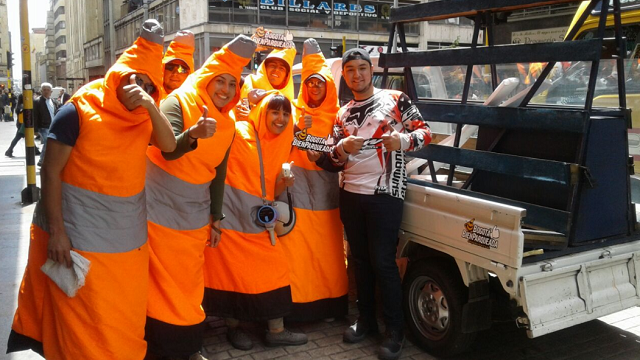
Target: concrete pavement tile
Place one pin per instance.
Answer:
(315, 335)
(271, 353)
(324, 351)
(351, 354)
(619, 316)
(297, 356)
(334, 339)
(335, 330)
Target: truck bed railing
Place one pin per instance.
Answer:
(548, 160)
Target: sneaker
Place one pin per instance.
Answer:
(359, 330)
(39, 163)
(8, 153)
(286, 337)
(37, 151)
(239, 339)
(391, 347)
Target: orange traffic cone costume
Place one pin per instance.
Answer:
(179, 208)
(105, 219)
(246, 277)
(259, 80)
(181, 48)
(314, 248)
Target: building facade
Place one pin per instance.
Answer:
(60, 39)
(47, 62)
(5, 42)
(215, 22)
(37, 41)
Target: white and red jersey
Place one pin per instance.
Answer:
(373, 170)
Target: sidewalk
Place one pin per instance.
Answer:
(616, 336)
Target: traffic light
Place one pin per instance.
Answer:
(9, 60)
(336, 51)
(258, 60)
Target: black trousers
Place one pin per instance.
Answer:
(372, 223)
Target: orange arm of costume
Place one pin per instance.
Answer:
(55, 161)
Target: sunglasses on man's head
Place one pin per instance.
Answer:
(148, 88)
(180, 68)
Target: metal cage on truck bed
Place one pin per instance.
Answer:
(568, 167)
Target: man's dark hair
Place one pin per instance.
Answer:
(355, 54)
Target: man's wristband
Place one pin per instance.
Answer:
(214, 228)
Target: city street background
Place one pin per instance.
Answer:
(616, 336)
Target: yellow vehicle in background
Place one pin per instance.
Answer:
(607, 89)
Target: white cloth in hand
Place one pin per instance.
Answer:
(71, 279)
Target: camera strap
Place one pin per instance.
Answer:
(269, 225)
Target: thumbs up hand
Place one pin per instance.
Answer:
(134, 95)
(205, 127)
(308, 121)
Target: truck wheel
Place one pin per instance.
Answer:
(434, 295)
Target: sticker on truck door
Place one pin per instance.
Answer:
(481, 236)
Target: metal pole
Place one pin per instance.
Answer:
(394, 46)
(112, 36)
(145, 8)
(31, 193)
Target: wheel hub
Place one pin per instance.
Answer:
(431, 308)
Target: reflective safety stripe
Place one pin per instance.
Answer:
(103, 223)
(314, 190)
(39, 217)
(240, 209)
(174, 203)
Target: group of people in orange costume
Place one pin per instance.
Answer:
(169, 180)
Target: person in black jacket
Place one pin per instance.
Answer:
(20, 131)
(43, 111)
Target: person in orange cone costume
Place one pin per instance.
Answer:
(181, 200)
(178, 61)
(319, 282)
(246, 277)
(273, 74)
(93, 202)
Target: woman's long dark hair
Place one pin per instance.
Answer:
(279, 102)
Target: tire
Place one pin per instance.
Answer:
(433, 297)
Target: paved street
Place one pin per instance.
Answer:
(613, 337)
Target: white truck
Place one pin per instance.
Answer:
(543, 225)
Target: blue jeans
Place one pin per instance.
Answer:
(372, 223)
(44, 132)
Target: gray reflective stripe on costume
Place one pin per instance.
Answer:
(240, 209)
(103, 223)
(313, 190)
(39, 217)
(174, 203)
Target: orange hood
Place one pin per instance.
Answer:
(180, 50)
(275, 149)
(143, 57)
(229, 60)
(313, 62)
(260, 80)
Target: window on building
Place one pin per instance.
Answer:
(62, 54)
(58, 12)
(351, 15)
(311, 14)
(61, 25)
(61, 40)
